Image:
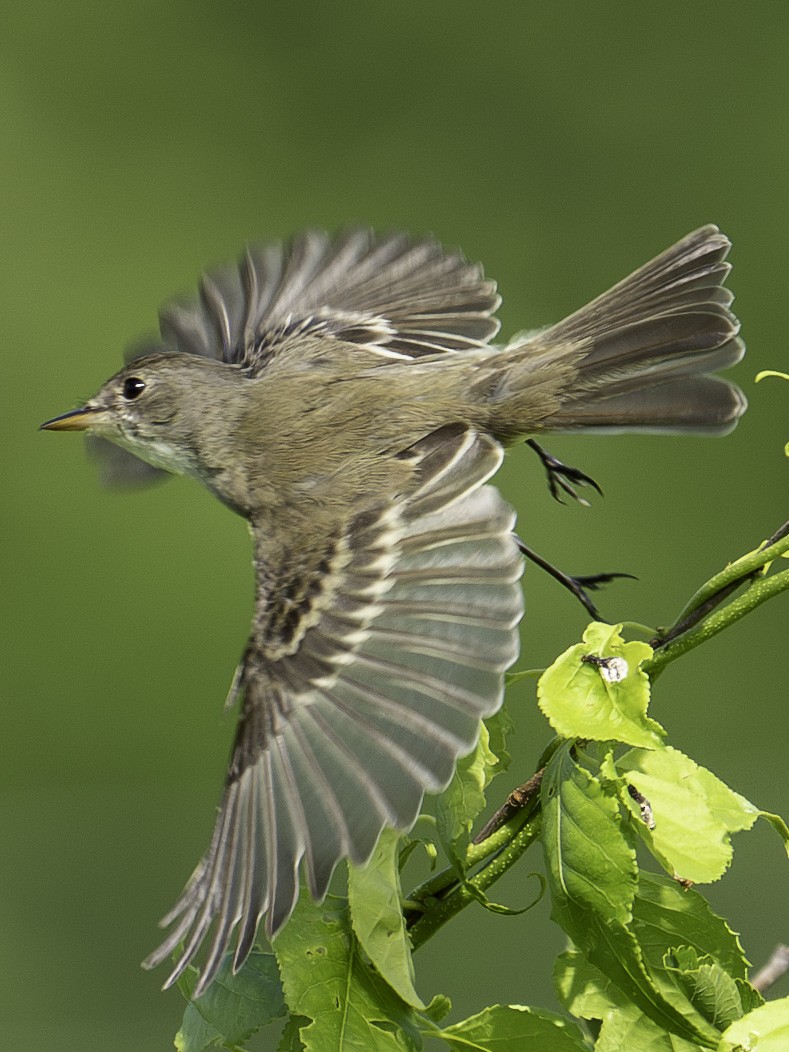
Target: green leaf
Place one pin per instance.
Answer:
(583, 989)
(694, 812)
(771, 372)
(438, 1009)
(290, 1039)
(580, 702)
(765, 1029)
(500, 727)
(591, 867)
(666, 915)
(325, 979)
(511, 678)
(750, 998)
(464, 798)
(592, 877)
(234, 1006)
(588, 994)
(706, 971)
(627, 1029)
(374, 895)
(711, 990)
(512, 1028)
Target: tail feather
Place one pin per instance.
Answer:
(664, 285)
(640, 354)
(685, 404)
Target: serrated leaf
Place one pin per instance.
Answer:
(234, 1006)
(765, 1029)
(710, 989)
(580, 702)
(290, 1038)
(464, 798)
(325, 979)
(591, 867)
(750, 998)
(374, 895)
(587, 994)
(666, 915)
(694, 812)
(592, 876)
(512, 1028)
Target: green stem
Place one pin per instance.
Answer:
(736, 571)
(441, 910)
(759, 592)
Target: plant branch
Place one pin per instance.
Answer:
(441, 910)
(515, 802)
(775, 969)
(713, 592)
(501, 842)
(759, 592)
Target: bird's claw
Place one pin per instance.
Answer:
(561, 477)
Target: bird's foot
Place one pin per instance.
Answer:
(579, 586)
(561, 477)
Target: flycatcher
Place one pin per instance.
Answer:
(343, 395)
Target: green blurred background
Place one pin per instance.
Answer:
(561, 143)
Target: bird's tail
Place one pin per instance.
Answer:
(637, 358)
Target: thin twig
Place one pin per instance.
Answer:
(775, 968)
(759, 592)
(516, 801)
(713, 592)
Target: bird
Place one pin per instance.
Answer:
(343, 394)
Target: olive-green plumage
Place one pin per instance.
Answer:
(343, 395)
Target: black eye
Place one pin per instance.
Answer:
(132, 387)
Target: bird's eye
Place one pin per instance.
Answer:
(133, 386)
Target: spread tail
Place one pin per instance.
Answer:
(639, 357)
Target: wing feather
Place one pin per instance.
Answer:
(396, 297)
(384, 691)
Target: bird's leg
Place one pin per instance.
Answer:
(579, 586)
(561, 477)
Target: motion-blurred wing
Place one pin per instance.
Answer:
(391, 295)
(398, 297)
(364, 680)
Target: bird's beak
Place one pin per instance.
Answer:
(75, 420)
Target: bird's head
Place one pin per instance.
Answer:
(172, 410)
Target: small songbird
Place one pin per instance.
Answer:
(343, 395)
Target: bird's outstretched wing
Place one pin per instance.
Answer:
(364, 680)
(398, 297)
